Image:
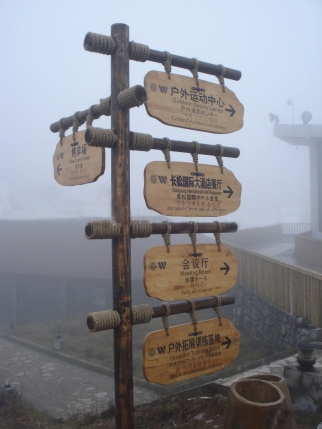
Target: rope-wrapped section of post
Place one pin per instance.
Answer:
(219, 158)
(132, 97)
(138, 51)
(99, 137)
(165, 319)
(102, 229)
(193, 314)
(141, 229)
(105, 106)
(142, 142)
(61, 131)
(103, 320)
(141, 314)
(98, 43)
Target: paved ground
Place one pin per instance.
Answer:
(63, 388)
(55, 386)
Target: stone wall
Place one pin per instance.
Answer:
(272, 327)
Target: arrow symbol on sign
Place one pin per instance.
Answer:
(232, 110)
(230, 191)
(228, 342)
(59, 169)
(225, 268)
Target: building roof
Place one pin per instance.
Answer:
(59, 248)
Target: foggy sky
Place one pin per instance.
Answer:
(46, 74)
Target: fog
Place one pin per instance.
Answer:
(46, 74)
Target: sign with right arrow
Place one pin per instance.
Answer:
(182, 191)
(183, 274)
(180, 102)
(186, 353)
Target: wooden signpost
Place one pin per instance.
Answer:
(182, 191)
(180, 102)
(187, 353)
(76, 163)
(180, 274)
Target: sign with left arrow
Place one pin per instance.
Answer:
(183, 274)
(187, 353)
(76, 163)
(182, 191)
(180, 102)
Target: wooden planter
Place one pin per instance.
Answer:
(253, 404)
(287, 417)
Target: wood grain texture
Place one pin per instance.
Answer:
(180, 275)
(76, 163)
(121, 246)
(186, 354)
(181, 191)
(181, 103)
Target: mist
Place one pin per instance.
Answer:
(46, 75)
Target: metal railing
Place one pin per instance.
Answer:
(295, 228)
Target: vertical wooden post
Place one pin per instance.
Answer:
(121, 246)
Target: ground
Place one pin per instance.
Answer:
(183, 411)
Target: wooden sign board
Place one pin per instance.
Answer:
(180, 102)
(76, 163)
(181, 274)
(182, 191)
(187, 354)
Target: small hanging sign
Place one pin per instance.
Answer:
(182, 191)
(180, 102)
(76, 163)
(187, 353)
(182, 274)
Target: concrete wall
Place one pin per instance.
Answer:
(308, 249)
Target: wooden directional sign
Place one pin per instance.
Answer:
(186, 354)
(182, 191)
(180, 102)
(181, 274)
(76, 163)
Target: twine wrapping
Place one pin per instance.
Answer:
(165, 319)
(99, 137)
(98, 43)
(217, 235)
(166, 236)
(193, 313)
(221, 78)
(193, 236)
(103, 229)
(141, 229)
(103, 320)
(195, 71)
(138, 51)
(89, 117)
(218, 309)
(105, 106)
(141, 314)
(166, 151)
(219, 158)
(167, 64)
(76, 124)
(143, 142)
(127, 98)
(195, 154)
(61, 131)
